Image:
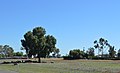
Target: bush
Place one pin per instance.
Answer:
(28, 61)
(100, 58)
(6, 62)
(34, 61)
(18, 61)
(70, 58)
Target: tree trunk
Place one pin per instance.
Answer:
(102, 53)
(39, 60)
(98, 52)
(27, 52)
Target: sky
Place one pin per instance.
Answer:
(74, 23)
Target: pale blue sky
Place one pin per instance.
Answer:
(74, 23)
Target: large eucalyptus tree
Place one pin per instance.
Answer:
(101, 44)
(37, 43)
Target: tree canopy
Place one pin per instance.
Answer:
(103, 44)
(76, 53)
(90, 52)
(6, 51)
(37, 43)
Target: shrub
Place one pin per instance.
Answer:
(70, 58)
(6, 62)
(28, 61)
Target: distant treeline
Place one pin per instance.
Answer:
(101, 45)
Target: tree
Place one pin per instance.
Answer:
(101, 45)
(56, 52)
(50, 44)
(1, 51)
(76, 53)
(119, 53)
(6, 51)
(91, 52)
(18, 53)
(36, 43)
(112, 52)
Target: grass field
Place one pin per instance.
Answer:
(65, 66)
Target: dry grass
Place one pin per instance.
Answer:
(66, 66)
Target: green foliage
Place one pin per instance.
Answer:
(119, 53)
(76, 53)
(112, 52)
(6, 51)
(101, 44)
(18, 53)
(56, 52)
(36, 43)
(90, 52)
(50, 44)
